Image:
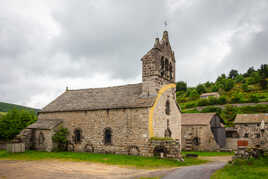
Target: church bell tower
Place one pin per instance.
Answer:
(158, 66)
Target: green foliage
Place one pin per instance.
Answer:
(228, 114)
(254, 78)
(60, 138)
(264, 70)
(239, 79)
(5, 107)
(245, 87)
(194, 94)
(259, 108)
(233, 74)
(228, 84)
(110, 159)
(212, 100)
(222, 100)
(181, 86)
(202, 102)
(211, 109)
(208, 154)
(263, 83)
(200, 89)
(161, 138)
(14, 122)
(253, 98)
(190, 105)
(249, 72)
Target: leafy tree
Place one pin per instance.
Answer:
(245, 87)
(214, 88)
(194, 94)
(233, 74)
(250, 70)
(181, 86)
(228, 114)
(14, 122)
(239, 79)
(211, 109)
(236, 98)
(253, 98)
(208, 84)
(228, 84)
(200, 89)
(60, 138)
(263, 83)
(220, 78)
(264, 70)
(212, 100)
(222, 100)
(254, 78)
(202, 102)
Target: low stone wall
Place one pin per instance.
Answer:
(169, 148)
(16, 147)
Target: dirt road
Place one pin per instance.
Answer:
(51, 169)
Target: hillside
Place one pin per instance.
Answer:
(234, 88)
(5, 107)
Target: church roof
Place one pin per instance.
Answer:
(127, 96)
(251, 118)
(45, 124)
(196, 118)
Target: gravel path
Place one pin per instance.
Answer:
(196, 172)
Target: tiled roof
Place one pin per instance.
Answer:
(45, 124)
(127, 96)
(197, 118)
(251, 118)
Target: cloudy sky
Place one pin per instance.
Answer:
(46, 45)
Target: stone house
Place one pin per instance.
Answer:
(119, 119)
(250, 127)
(207, 95)
(202, 132)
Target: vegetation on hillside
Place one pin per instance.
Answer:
(5, 107)
(14, 121)
(250, 87)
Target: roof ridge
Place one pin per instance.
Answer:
(84, 89)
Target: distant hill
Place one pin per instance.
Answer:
(5, 107)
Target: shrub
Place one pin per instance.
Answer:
(253, 98)
(194, 94)
(212, 100)
(228, 84)
(245, 87)
(236, 98)
(181, 86)
(263, 83)
(200, 89)
(202, 102)
(259, 108)
(60, 138)
(190, 105)
(228, 114)
(14, 122)
(222, 100)
(211, 109)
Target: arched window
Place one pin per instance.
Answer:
(170, 71)
(168, 133)
(77, 136)
(167, 107)
(166, 65)
(107, 136)
(162, 66)
(41, 138)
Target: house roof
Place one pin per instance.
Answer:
(251, 118)
(209, 94)
(127, 96)
(197, 118)
(45, 124)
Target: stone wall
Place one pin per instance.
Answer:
(231, 143)
(170, 148)
(204, 135)
(162, 121)
(129, 129)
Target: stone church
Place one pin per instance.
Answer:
(127, 119)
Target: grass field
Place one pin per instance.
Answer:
(125, 160)
(252, 169)
(209, 154)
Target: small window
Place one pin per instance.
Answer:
(107, 136)
(166, 64)
(162, 64)
(258, 135)
(77, 136)
(170, 71)
(246, 135)
(41, 139)
(258, 124)
(167, 107)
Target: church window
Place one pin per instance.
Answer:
(170, 71)
(41, 138)
(162, 66)
(167, 107)
(168, 133)
(166, 65)
(107, 136)
(77, 136)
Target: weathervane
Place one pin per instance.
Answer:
(165, 23)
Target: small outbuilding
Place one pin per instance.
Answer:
(202, 132)
(207, 95)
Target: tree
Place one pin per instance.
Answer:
(263, 83)
(222, 100)
(181, 86)
(245, 87)
(250, 70)
(253, 98)
(239, 79)
(228, 84)
(236, 98)
(228, 114)
(60, 138)
(220, 78)
(233, 73)
(264, 70)
(14, 122)
(200, 89)
(254, 78)
(194, 94)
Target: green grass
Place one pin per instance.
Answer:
(112, 159)
(209, 154)
(252, 169)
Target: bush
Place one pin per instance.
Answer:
(222, 100)
(200, 89)
(202, 102)
(181, 86)
(194, 94)
(60, 138)
(211, 109)
(228, 84)
(263, 83)
(259, 108)
(190, 105)
(228, 114)
(245, 87)
(212, 100)
(236, 98)
(14, 122)
(253, 98)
